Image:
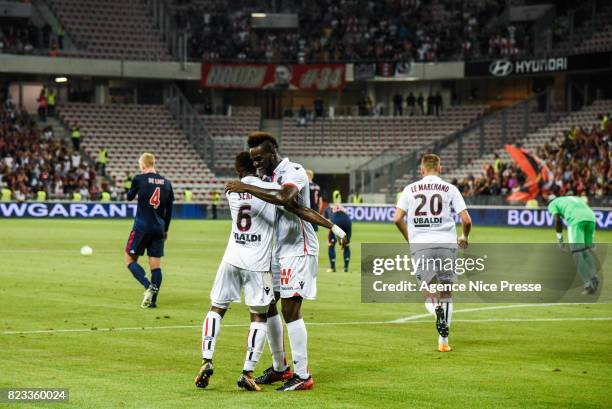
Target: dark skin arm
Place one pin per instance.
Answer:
(285, 197)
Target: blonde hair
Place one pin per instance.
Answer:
(430, 162)
(310, 174)
(147, 160)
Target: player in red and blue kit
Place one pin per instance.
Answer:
(337, 215)
(155, 199)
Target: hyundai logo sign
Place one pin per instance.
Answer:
(501, 68)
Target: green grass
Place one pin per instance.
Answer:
(46, 284)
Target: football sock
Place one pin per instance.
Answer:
(210, 331)
(276, 341)
(139, 274)
(298, 338)
(156, 280)
(430, 305)
(347, 257)
(447, 306)
(255, 344)
(332, 256)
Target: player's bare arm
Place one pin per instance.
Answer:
(466, 227)
(400, 222)
(283, 197)
(286, 198)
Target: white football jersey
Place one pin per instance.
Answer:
(253, 224)
(294, 236)
(428, 205)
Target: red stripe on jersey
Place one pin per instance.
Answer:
(206, 327)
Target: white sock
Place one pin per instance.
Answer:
(298, 338)
(276, 341)
(255, 344)
(210, 331)
(430, 305)
(447, 306)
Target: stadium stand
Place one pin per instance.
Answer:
(338, 31)
(113, 29)
(370, 136)
(32, 161)
(593, 35)
(229, 133)
(576, 161)
(128, 130)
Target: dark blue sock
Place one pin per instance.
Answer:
(332, 257)
(139, 274)
(347, 257)
(156, 280)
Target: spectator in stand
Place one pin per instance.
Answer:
(398, 102)
(42, 105)
(410, 103)
(420, 103)
(75, 134)
(51, 101)
(60, 36)
(438, 103)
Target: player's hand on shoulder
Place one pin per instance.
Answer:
(235, 186)
(462, 242)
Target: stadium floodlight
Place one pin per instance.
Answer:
(258, 15)
(61, 79)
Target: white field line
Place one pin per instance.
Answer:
(414, 319)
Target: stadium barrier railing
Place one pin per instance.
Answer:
(191, 124)
(381, 173)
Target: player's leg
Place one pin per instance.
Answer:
(444, 310)
(256, 338)
(300, 283)
(347, 250)
(211, 327)
(576, 239)
(331, 251)
(279, 371)
(133, 250)
(226, 289)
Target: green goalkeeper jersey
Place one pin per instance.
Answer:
(572, 209)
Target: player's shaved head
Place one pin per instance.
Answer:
(430, 164)
(146, 161)
(244, 164)
(262, 139)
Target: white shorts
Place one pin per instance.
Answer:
(296, 276)
(230, 280)
(430, 270)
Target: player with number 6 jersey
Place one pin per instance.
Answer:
(150, 230)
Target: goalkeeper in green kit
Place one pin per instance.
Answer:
(580, 222)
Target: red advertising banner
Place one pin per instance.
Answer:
(315, 77)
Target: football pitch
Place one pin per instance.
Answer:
(74, 322)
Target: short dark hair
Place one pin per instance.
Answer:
(244, 163)
(258, 138)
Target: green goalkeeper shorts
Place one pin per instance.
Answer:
(581, 235)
